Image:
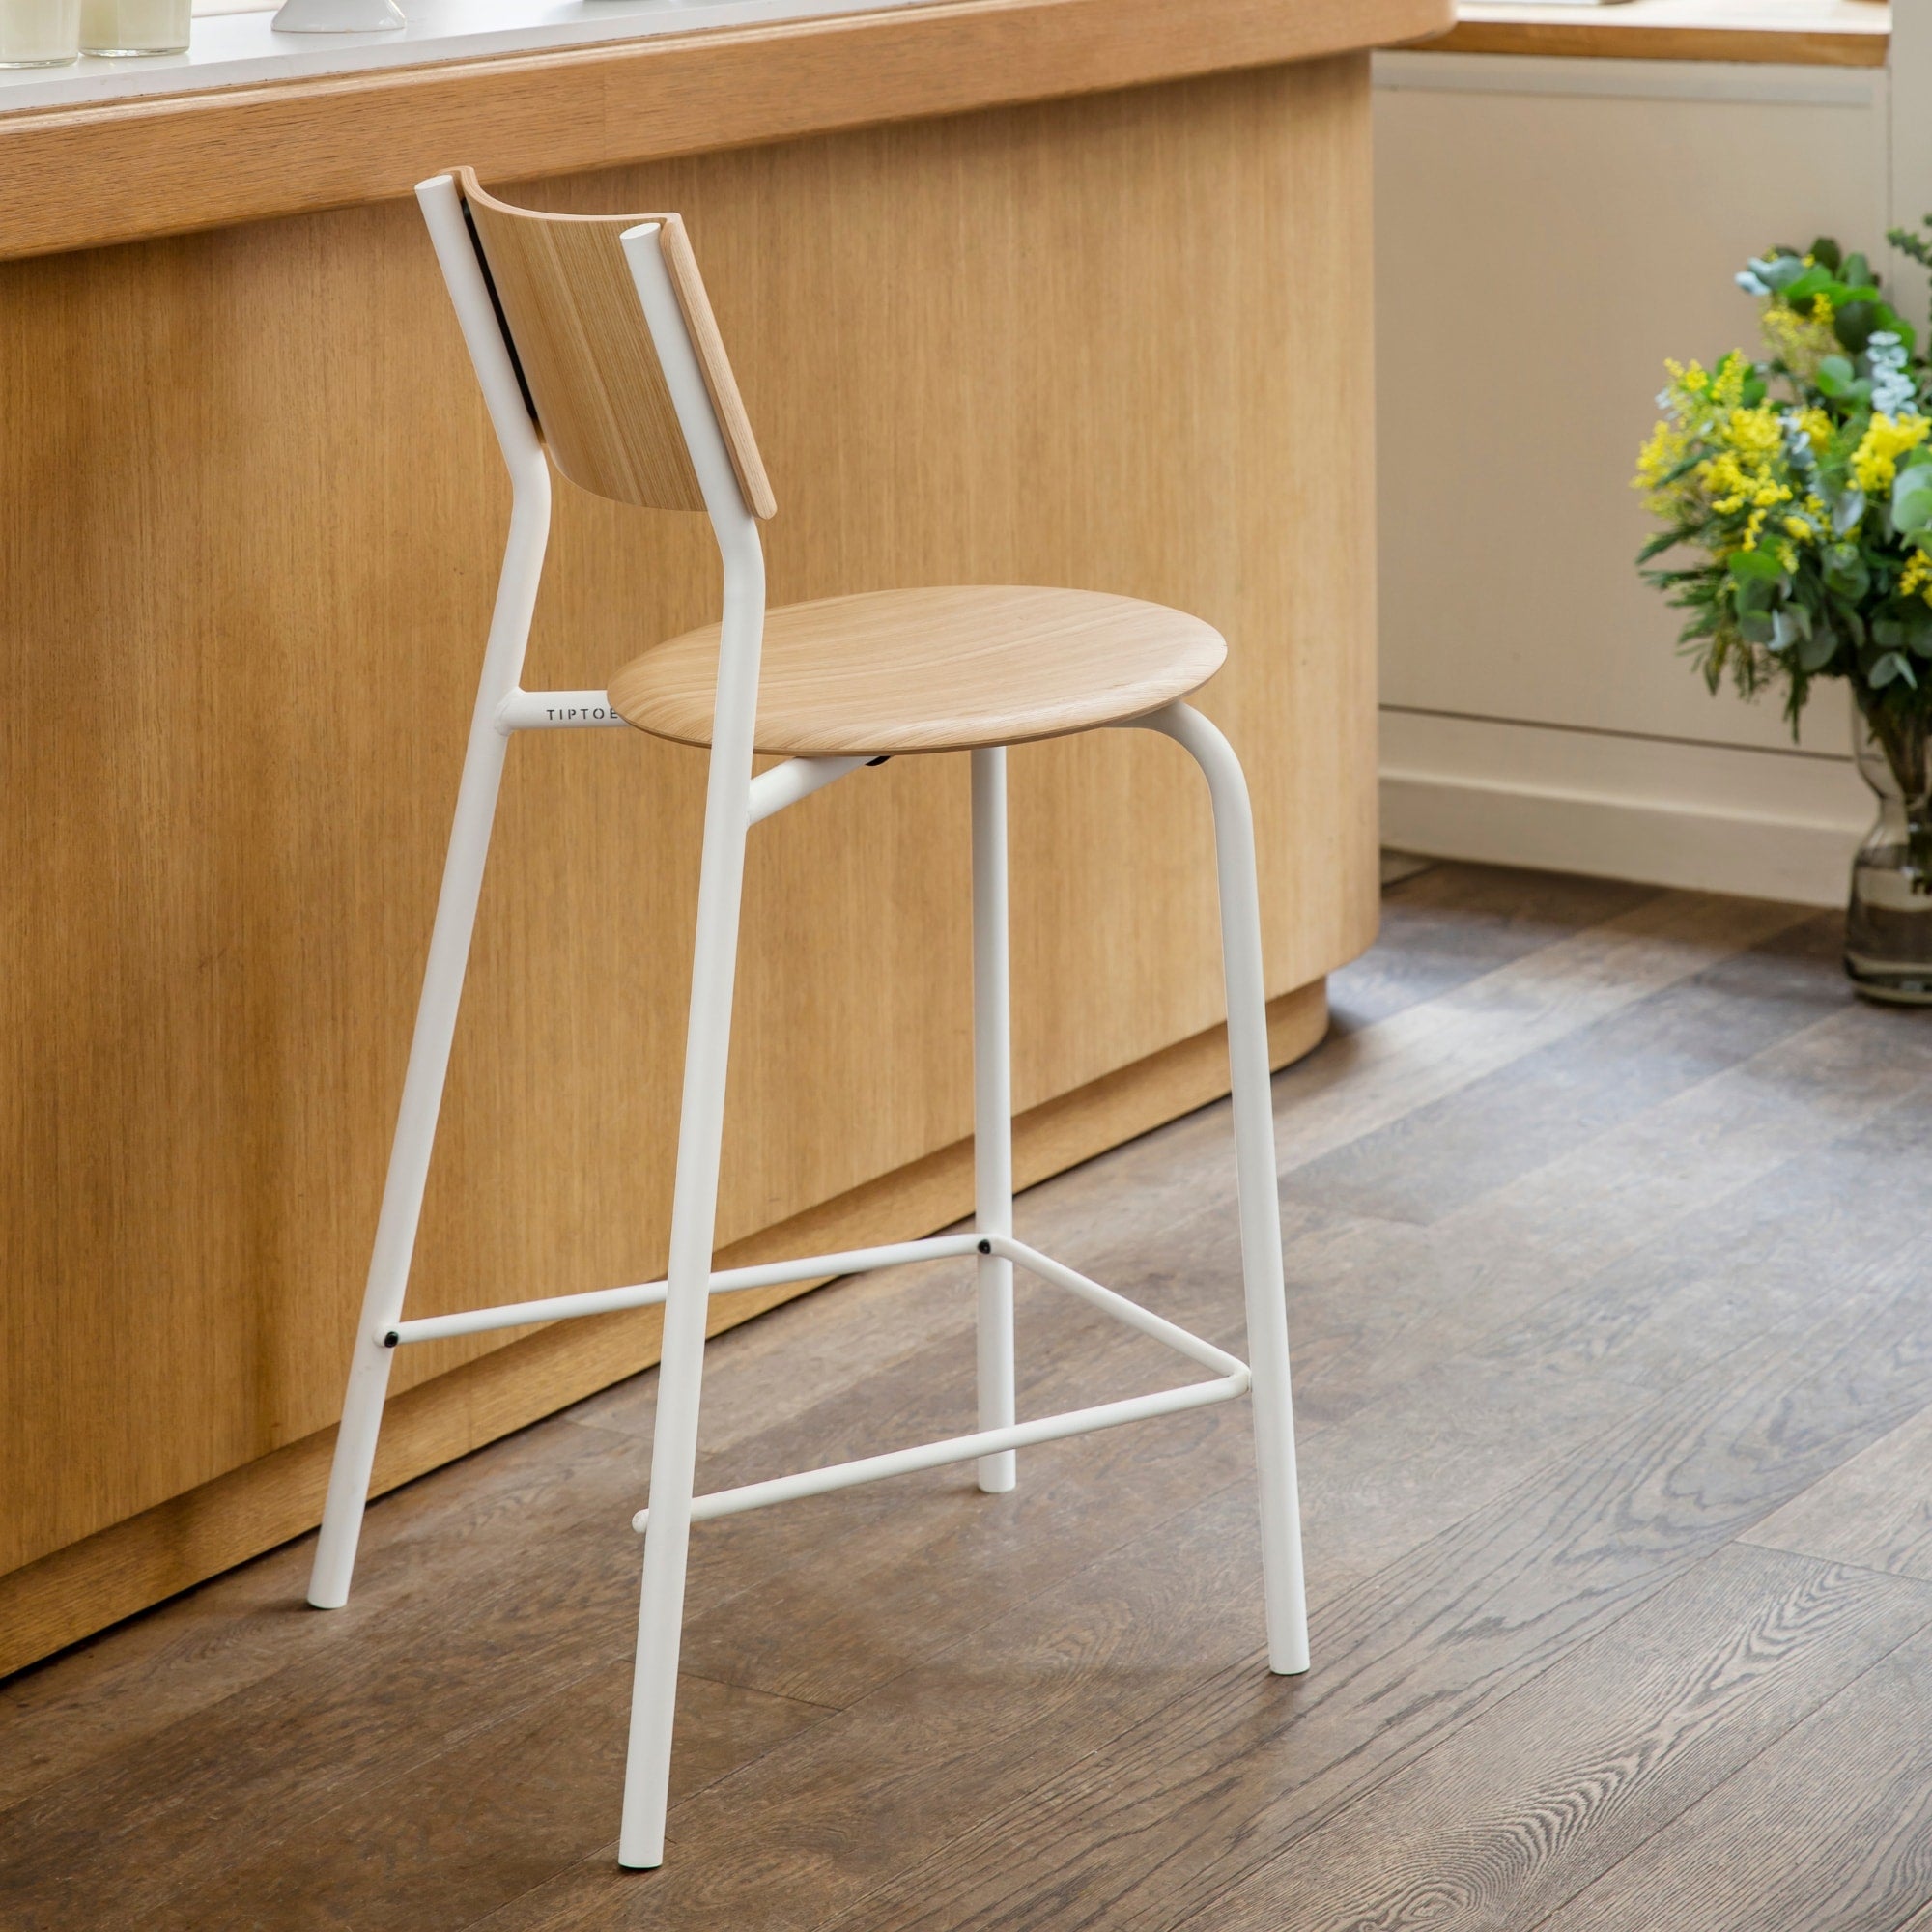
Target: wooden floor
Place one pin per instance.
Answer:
(1612, 1313)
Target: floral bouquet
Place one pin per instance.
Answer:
(1805, 478)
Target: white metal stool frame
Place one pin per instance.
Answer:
(734, 801)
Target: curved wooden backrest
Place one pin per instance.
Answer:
(580, 337)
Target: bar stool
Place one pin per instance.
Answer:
(593, 338)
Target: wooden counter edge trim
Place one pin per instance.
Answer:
(71, 1593)
(88, 176)
(1605, 39)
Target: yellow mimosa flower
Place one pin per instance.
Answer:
(1875, 461)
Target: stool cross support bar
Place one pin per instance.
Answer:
(1232, 1379)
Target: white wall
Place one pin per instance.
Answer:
(1547, 231)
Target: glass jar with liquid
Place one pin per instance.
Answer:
(38, 33)
(120, 27)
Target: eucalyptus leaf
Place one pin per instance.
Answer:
(1855, 325)
(1836, 375)
(1912, 498)
(1801, 288)
(1846, 512)
(1816, 651)
(1850, 577)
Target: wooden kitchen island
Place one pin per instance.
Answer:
(1059, 291)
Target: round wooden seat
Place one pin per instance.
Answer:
(899, 671)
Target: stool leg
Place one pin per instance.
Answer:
(992, 1106)
(1261, 1271)
(429, 1052)
(693, 1217)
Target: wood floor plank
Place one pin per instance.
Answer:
(1143, 1830)
(425, 1545)
(1425, 1051)
(1828, 1830)
(896, 1772)
(1452, 924)
(1779, 1252)
(1509, 1818)
(501, 1811)
(1363, 1080)
(374, 1695)
(1874, 1510)
(1439, 1156)
(1665, 1219)
(898, 1573)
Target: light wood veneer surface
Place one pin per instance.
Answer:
(933, 669)
(564, 288)
(1804, 33)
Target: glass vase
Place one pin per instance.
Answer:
(1889, 922)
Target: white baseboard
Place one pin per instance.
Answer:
(1712, 817)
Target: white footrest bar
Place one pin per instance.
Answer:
(646, 1293)
(1232, 1378)
(960, 1448)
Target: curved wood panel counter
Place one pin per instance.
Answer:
(1056, 291)
(82, 176)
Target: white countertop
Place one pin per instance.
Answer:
(236, 48)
